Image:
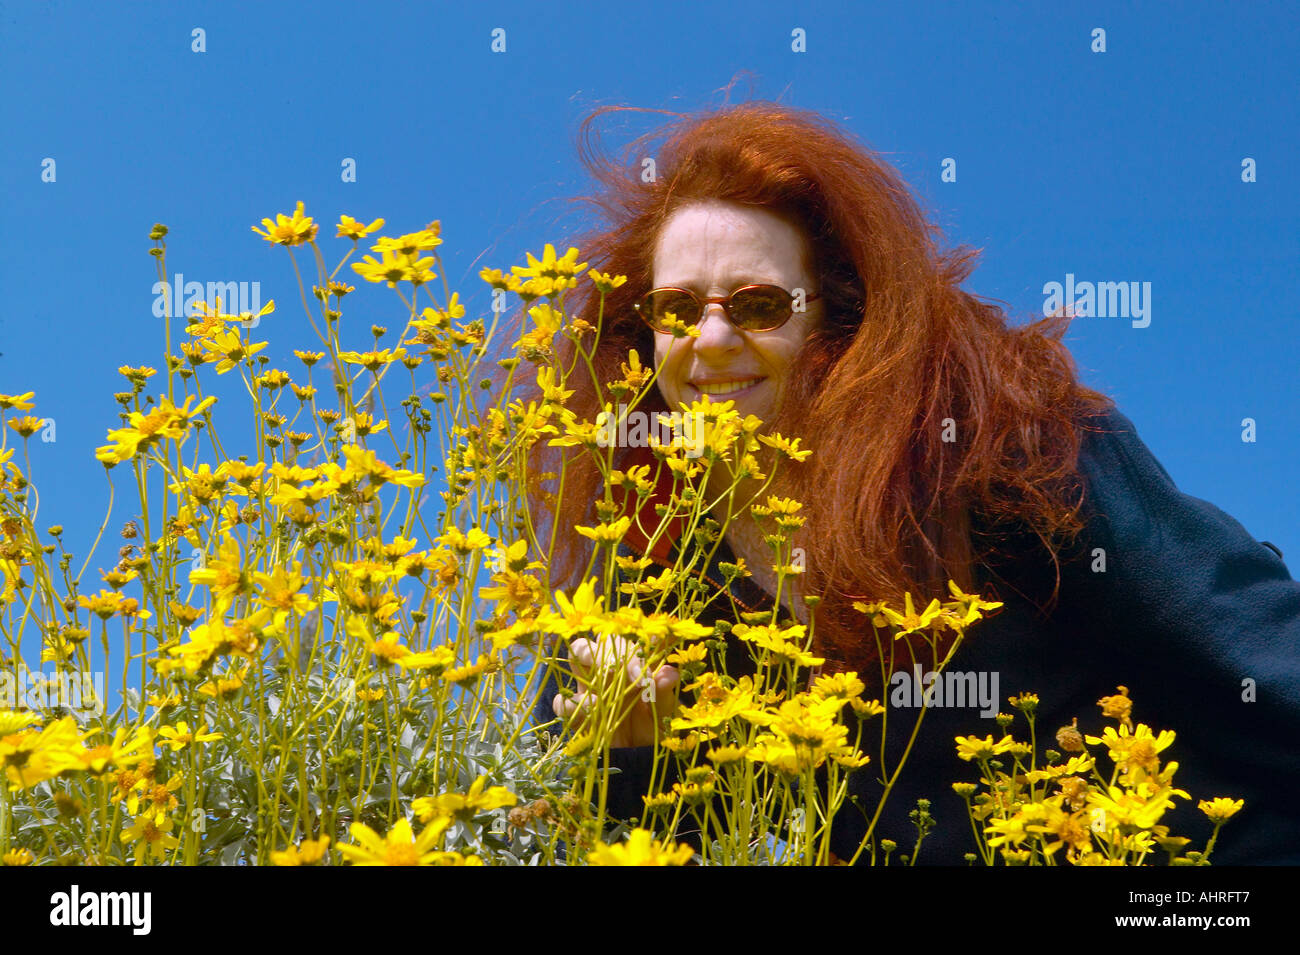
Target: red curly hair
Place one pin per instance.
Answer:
(902, 349)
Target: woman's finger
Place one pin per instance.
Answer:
(564, 706)
(580, 653)
(667, 677)
(572, 709)
(665, 681)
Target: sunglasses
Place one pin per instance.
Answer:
(754, 308)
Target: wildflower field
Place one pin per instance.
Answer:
(329, 651)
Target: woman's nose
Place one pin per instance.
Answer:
(716, 331)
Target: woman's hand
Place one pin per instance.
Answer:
(596, 666)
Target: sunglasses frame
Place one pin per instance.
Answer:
(724, 301)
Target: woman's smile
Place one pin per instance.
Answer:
(731, 388)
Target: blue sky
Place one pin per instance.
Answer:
(1117, 166)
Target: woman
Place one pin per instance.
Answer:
(946, 445)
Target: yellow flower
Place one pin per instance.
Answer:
(498, 279)
(179, 736)
(873, 610)
(281, 590)
(227, 348)
(395, 267)
(1007, 832)
(437, 659)
(549, 266)
(1027, 703)
(350, 228)
(287, 231)
(11, 721)
(548, 322)
(409, 244)
(550, 389)
(640, 849)
(678, 328)
(682, 744)
(838, 686)
(1070, 829)
(660, 801)
(373, 360)
(206, 320)
(160, 796)
(606, 283)
(224, 686)
(1075, 764)
(30, 757)
(151, 834)
(529, 289)
(606, 533)
(272, 380)
(22, 402)
(18, 857)
(514, 591)
(785, 643)
(307, 852)
(584, 612)
(715, 704)
(804, 734)
(164, 702)
(1220, 810)
(363, 462)
(401, 847)
(1135, 809)
(223, 573)
(586, 434)
(165, 421)
(722, 755)
(140, 374)
(910, 621)
(695, 653)
(971, 747)
(120, 752)
(464, 543)
(1135, 753)
(470, 672)
(789, 448)
(365, 424)
(242, 474)
(635, 375)
(308, 358)
(108, 603)
(965, 609)
(202, 485)
(453, 805)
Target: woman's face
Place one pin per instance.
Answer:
(713, 248)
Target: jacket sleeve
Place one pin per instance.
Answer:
(1208, 619)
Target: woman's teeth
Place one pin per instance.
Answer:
(726, 387)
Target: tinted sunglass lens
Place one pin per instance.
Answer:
(760, 308)
(671, 302)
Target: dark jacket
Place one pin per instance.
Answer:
(1197, 618)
